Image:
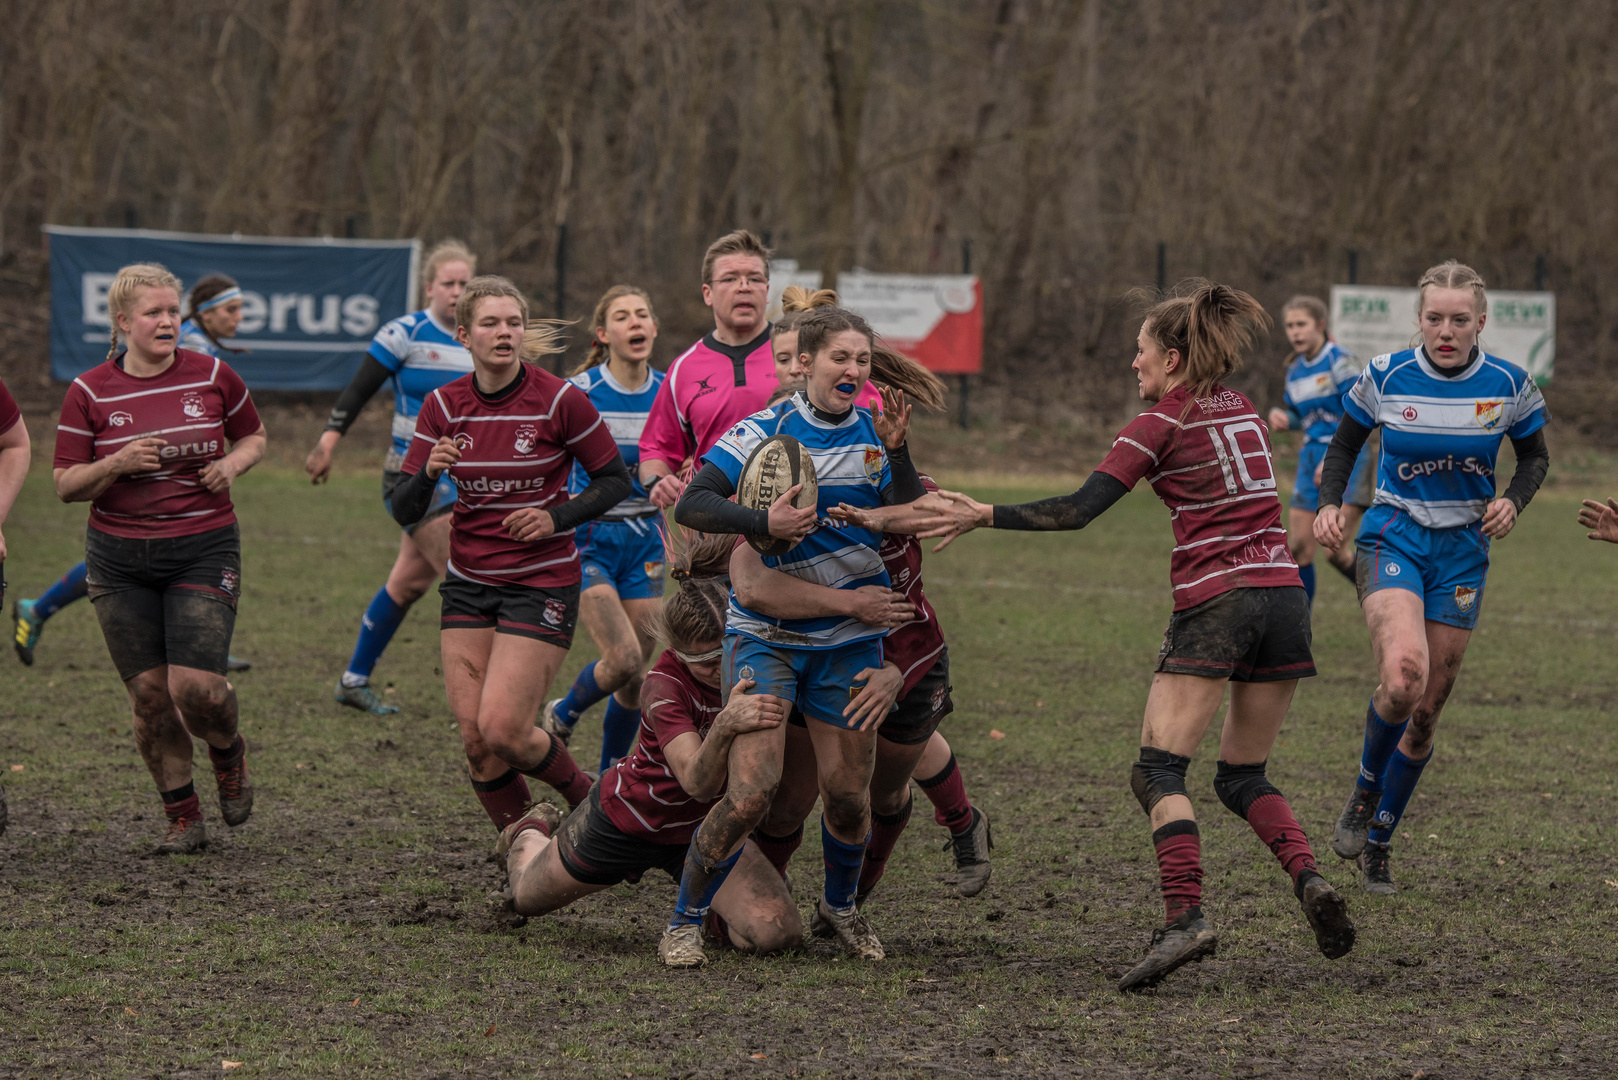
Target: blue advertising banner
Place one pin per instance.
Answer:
(309, 307)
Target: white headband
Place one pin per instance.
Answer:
(232, 293)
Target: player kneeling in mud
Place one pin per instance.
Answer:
(643, 811)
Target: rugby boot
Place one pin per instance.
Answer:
(1354, 823)
(1327, 913)
(25, 634)
(1182, 941)
(236, 663)
(362, 697)
(185, 837)
(551, 722)
(1375, 875)
(972, 849)
(681, 946)
(851, 928)
(540, 815)
(235, 790)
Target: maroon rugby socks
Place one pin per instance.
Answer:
(182, 803)
(947, 792)
(885, 832)
(1179, 864)
(504, 798)
(1271, 817)
(778, 849)
(560, 771)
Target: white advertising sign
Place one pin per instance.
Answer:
(1369, 320)
(936, 319)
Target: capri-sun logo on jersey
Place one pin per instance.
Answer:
(193, 406)
(1409, 412)
(1489, 413)
(527, 439)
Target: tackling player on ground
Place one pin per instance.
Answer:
(143, 439)
(642, 813)
(621, 552)
(507, 436)
(1423, 550)
(418, 353)
(216, 313)
(1318, 375)
(830, 667)
(1241, 616)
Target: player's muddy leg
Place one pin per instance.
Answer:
(781, 831)
(758, 913)
(844, 762)
(500, 789)
(518, 675)
(160, 736)
(891, 804)
(540, 882)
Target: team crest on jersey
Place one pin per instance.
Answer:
(1488, 415)
(555, 612)
(1381, 362)
(119, 419)
(873, 463)
(527, 439)
(654, 571)
(463, 442)
(193, 406)
(1465, 598)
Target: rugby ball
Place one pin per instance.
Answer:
(774, 466)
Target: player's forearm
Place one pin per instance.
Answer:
(15, 454)
(705, 506)
(708, 772)
(652, 468)
(1340, 457)
(906, 485)
(782, 596)
(1533, 461)
(82, 483)
(609, 486)
(411, 498)
(360, 389)
(248, 451)
(1064, 512)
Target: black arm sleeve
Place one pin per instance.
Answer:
(411, 498)
(1533, 459)
(705, 506)
(608, 486)
(904, 484)
(366, 382)
(1073, 511)
(1340, 457)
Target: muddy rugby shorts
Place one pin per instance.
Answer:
(548, 615)
(165, 600)
(917, 714)
(597, 852)
(1245, 635)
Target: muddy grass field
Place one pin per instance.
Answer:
(345, 930)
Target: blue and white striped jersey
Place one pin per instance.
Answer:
(624, 412)
(194, 338)
(1441, 436)
(423, 355)
(1315, 388)
(850, 466)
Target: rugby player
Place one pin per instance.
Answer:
(829, 667)
(1318, 375)
(1240, 612)
(143, 439)
(418, 353)
(642, 813)
(725, 377)
(1423, 549)
(15, 452)
(507, 436)
(216, 312)
(622, 551)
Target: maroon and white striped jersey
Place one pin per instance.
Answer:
(914, 647)
(640, 793)
(9, 413)
(196, 406)
(1211, 467)
(517, 449)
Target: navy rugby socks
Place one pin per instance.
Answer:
(618, 729)
(1400, 784)
(377, 626)
(843, 862)
(1308, 575)
(1381, 742)
(72, 586)
(583, 694)
(699, 885)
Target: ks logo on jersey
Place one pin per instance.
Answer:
(527, 439)
(119, 419)
(193, 406)
(1488, 415)
(463, 442)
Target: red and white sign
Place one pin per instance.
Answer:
(936, 319)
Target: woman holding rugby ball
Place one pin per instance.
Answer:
(1423, 550)
(1240, 614)
(507, 435)
(829, 667)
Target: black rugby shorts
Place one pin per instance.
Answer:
(1245, 635)
(597, 852)
(547, 615)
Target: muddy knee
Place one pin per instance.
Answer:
(846, 812)
(1404, 683)
(149, 699)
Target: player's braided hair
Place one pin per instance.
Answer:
(204, 290)
(598, 348)
(542, 337)
(1452, 275)
(446, 251)
(695, 615)
(1209, 325)
(889, 367)
(127, 284)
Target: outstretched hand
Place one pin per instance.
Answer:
(893, 422)
(962, 515)
(1602, 521)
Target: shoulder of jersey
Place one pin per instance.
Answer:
(583, 379)
(1518, 373)
(1386, 360)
